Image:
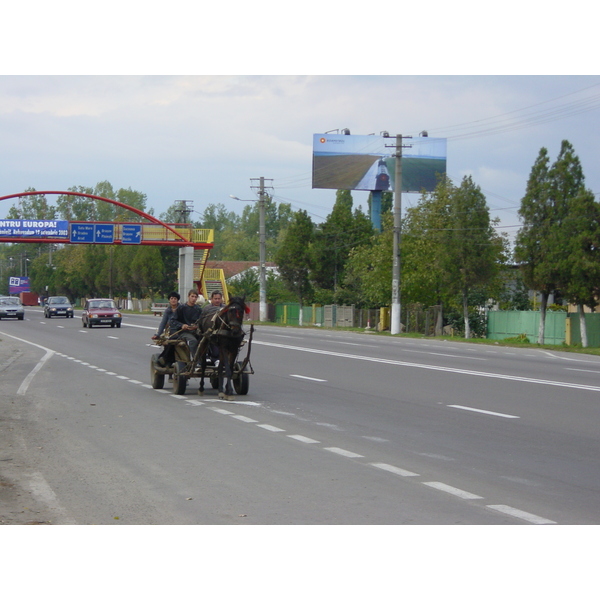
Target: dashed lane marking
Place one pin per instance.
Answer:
(521, 514)
(452, 490)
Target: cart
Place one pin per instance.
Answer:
(184, 367)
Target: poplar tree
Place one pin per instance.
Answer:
(533, 244)
(293, 258)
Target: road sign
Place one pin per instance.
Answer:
(82, 233)
(104, 233)
(131, 234)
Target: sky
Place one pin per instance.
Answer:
(199, 113)
(205, 138)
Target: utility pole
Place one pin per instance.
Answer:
(395, 320)
(262, 234)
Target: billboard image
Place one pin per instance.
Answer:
(367, 162)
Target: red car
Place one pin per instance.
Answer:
(101, 311)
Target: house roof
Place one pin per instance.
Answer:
(233, 267)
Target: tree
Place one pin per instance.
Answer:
(577, 234)
(557, 244)
(473, 249)
(294, 256)
(533, 247)
(342, 231)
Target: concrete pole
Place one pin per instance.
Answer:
(262, 255)
(395, 316)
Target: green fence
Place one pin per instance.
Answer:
(503, 324)
(592, 325)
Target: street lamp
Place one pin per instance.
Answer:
(262, 237)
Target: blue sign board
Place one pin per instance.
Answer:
(34, 228)
(104, 233)
(16, 285)
(131, 234)
(82, 233)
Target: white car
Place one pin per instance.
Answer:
(10, 306)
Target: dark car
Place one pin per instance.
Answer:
(10, 306)
(58, 306)
(101, 311)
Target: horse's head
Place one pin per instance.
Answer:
(233, 313)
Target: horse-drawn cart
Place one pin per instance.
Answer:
(232, 371)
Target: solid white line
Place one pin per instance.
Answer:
(269, 427)
(310, 378)
(486, 412)
(303, 439)
(343, 452)
(394, 470)
(452, 490)
(401, 363)
(521, 514)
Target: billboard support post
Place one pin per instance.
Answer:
(395, 316)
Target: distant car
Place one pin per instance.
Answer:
(58, 306)
(101, 311)
(10, 306)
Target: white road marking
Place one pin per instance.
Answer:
(244, 418)
(112, 337)
(121, 376)
(269, 427)
(521, 514)
(485, 412)
(346, 453)
(305, 440)
(452, 490)
(221, 411)
(309, 378)
(402, 363)
(134, 381)
(195, 402)
(395, 470)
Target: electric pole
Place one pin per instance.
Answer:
(263, 250)
(395, 320)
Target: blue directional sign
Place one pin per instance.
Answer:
(131, 234)
(104, 233)
(82, 233)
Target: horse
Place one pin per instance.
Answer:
(223, 328)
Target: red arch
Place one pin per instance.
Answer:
(137, 211)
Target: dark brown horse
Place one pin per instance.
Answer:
(223, 328)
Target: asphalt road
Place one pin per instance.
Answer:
(337, 428)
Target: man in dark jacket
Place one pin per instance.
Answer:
(167, 355)
(184, 321)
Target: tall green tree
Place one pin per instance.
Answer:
(553, 212)
(576, 235)
(533, 246)
(474, 251)
(294, 256)
(343, 230)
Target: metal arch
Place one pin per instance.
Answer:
(139, 212)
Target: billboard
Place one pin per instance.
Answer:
(34, 228)
(367, 162)
(16, 285)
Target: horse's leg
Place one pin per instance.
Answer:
(229, 357)
(220, 372)
(202, 369)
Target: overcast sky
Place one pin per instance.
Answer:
(204, 137)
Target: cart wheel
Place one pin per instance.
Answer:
(179, 380)
(158, 379)
(214, 382)
(241, 383)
